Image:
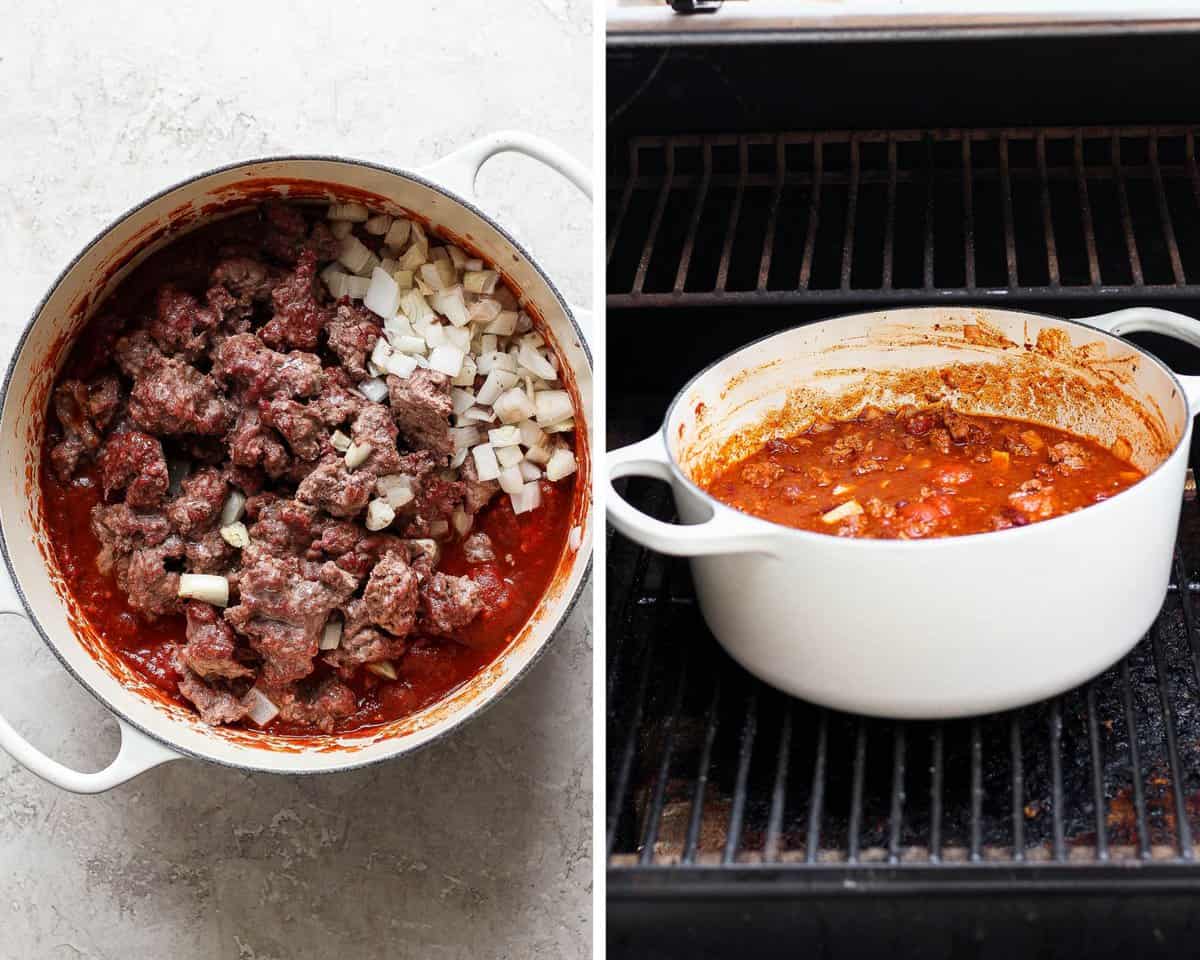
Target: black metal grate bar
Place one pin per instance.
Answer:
(747, 219)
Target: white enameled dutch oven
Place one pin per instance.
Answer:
(153, 730)
(941, 627)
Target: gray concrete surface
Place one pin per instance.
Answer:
(478, 847)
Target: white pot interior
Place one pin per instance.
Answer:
(67, 309)
(991, 362)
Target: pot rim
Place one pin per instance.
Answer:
(467, 714)
(760, 527)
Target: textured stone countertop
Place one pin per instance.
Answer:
(478, 847)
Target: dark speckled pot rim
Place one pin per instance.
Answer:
(470, 712)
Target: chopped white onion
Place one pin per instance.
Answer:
(413, 306)
(460, 457)
(357, 454)
(461, 400)
(529, 470)
(509, 456)
(401, 365)
(379, 515)
(531, 433)
(378, 225)
(466, 377)
(464, 437)
(354, 212)
(563, 426)
(205, 586)
(553, 406)
(353, 254)
(480, 415)
(480, 281)
(235, 506)
(507, 436)
(407, 344)
(341, 229)
(368, 268)
(403, 278)
(457, 256)
(504, 324)
(496, 383)
(262, 710)
(374, 390)
(530, 498)
(236, 535)
(332, 271)
(484, 312)
(498, 361)
(397, 235)
(396, 489)
(381, 353)
(383, 295)
(473, 264)
(531, 359)
(447, 360)
(524, 322)
(511, 480)
(487, 467)
(383, 668)
(411, 260)
(541, 452)
(331, 636)
(353, 287)
(451, 305)
(432, 276)
(514, 406)
(339, 441)
(459, 337)
(562, 464)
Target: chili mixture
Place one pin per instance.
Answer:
(923, 473)
(309, 470)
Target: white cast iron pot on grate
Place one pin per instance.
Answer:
(940, 627)
(152, 730)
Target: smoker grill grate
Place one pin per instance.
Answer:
(710, 768)
(904, 216)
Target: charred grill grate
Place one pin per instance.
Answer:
(904, 216)
(710, 768)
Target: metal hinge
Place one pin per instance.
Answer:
(695, 6)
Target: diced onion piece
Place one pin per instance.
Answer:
(401, 365)
(473, 264)
(451, 305)
(341, 229)
(553, 406)
(511, 480)
(339, 441)
(411, 259)
(374, 390)
(413, 306)
(430, 273)
(480, 415)
(508, 436)
(487, 467)
(235, 506)
(357, 454)
(355, 287)
(388, 266)
(439, 253)
(531, 433)
(524, 323)
(396, 489)
(465, 437)
(530, 498)
(850, 508)
(379, 515)
(205, 586)
(331, 636)
(562, 464)
(489, 343)
(498, 361)
(541, 452)
(484, 312)
(457, 256)
(531, 359)
(383, 295)
(466, 376)
(448, 273)
(236, 535)
(480, 281)
(397, 234)
(368, 268)
(262, 709)
(459, 458)
(381, 353)
(378, 225)
(353, 254)
(354, 212)
(514, 406)
(434, 334)
(447, 360)
(509, 456)
(504, 325)
(459, 337)
(461, 400)
(533, 339)
(383, 668)
(332, 271)
(496, 383)
(403, 278)
(461, 521)
(529, 470)
(563, 426)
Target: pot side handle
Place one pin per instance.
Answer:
(723, 532)
(138, 753)
(1154, 320)
(460, 170)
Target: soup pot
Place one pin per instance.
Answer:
(939, 627)
(153, 729)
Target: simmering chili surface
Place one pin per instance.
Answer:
(447, 602)
(922, 473)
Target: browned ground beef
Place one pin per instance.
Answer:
(240, 391)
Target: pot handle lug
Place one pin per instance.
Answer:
(1154, 320)
(138, 752)
(460, 169)
(724, 532)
